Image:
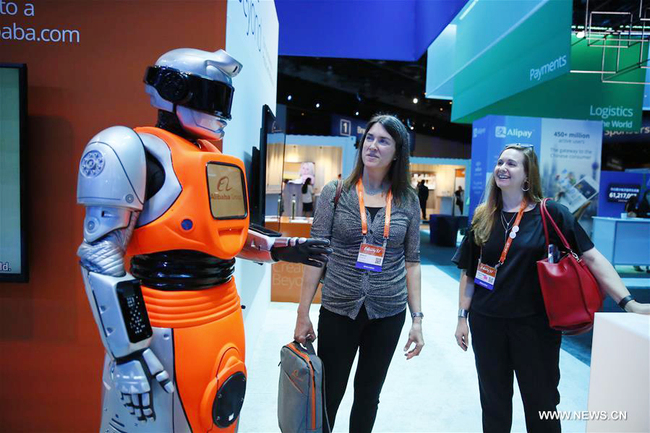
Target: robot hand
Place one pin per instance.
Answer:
(133, 380)
(312, 252)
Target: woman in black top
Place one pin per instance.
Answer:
(508, 321)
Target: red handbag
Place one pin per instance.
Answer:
(571, 293)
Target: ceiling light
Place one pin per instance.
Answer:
(433, 127)
(440, 108)
(415, 100)
(356, 113)
(289, 98)
(318, 105)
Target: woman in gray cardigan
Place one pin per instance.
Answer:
(374, 271)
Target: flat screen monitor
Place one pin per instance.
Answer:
(270, 135)
(13, 118)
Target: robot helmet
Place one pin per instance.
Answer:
(195, 85)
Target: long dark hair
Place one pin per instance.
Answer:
(485, 214)
(399, 173)
(305, 185)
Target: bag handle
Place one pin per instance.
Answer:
(307, 347)
(546, 214)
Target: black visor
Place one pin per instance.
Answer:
(192, 91)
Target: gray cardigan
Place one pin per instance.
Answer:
(347, 288)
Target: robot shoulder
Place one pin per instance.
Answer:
(161, 193)
(113, 170)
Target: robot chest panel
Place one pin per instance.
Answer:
(209, 211)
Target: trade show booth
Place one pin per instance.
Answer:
(443, 177)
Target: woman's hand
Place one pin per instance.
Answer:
(462, 333)
(637, 307)
(415, 337)
(304, 329)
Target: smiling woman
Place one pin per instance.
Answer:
(500, 293)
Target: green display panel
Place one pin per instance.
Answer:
(535, 51)
(12, 257)
(582, 95)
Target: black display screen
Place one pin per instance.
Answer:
(133, 310)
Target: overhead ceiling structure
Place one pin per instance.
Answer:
(357, 58)
(612, 28)
(362, 29)
(361, 88)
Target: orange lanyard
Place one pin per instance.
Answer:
(362, 211)
(513, 233)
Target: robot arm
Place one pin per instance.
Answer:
(111, 185)
(264, 245)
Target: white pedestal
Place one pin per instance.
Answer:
(619, 386)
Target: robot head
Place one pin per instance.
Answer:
(197, 86)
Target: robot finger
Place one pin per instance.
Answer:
(319, 258)
(143, 407)
(319, 242)
(165, 381)
(145, 400)
(128, 403)
(154, 365)
(320, 250)
(319, 247)
(313, 263)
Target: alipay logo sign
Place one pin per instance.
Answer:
(504, 132)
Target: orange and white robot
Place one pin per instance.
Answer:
(165, 196)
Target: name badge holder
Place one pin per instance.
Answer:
(486, 274)
(371, 257)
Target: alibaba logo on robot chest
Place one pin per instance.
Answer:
(224, 191)
(223, 184)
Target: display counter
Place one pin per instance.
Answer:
(443, 229)
(286, 278)
(619, 385)
(623, 241)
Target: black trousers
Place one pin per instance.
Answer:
(339, 338)
(527, 347)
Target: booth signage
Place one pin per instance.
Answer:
(617, 193)
(569, 153)
(619, 187)
(578, 95)
(536, 50)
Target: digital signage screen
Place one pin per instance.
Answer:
(621, 193)
(13, 114)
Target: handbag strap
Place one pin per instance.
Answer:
(546, 214)
(307, 347)
(339, 188)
